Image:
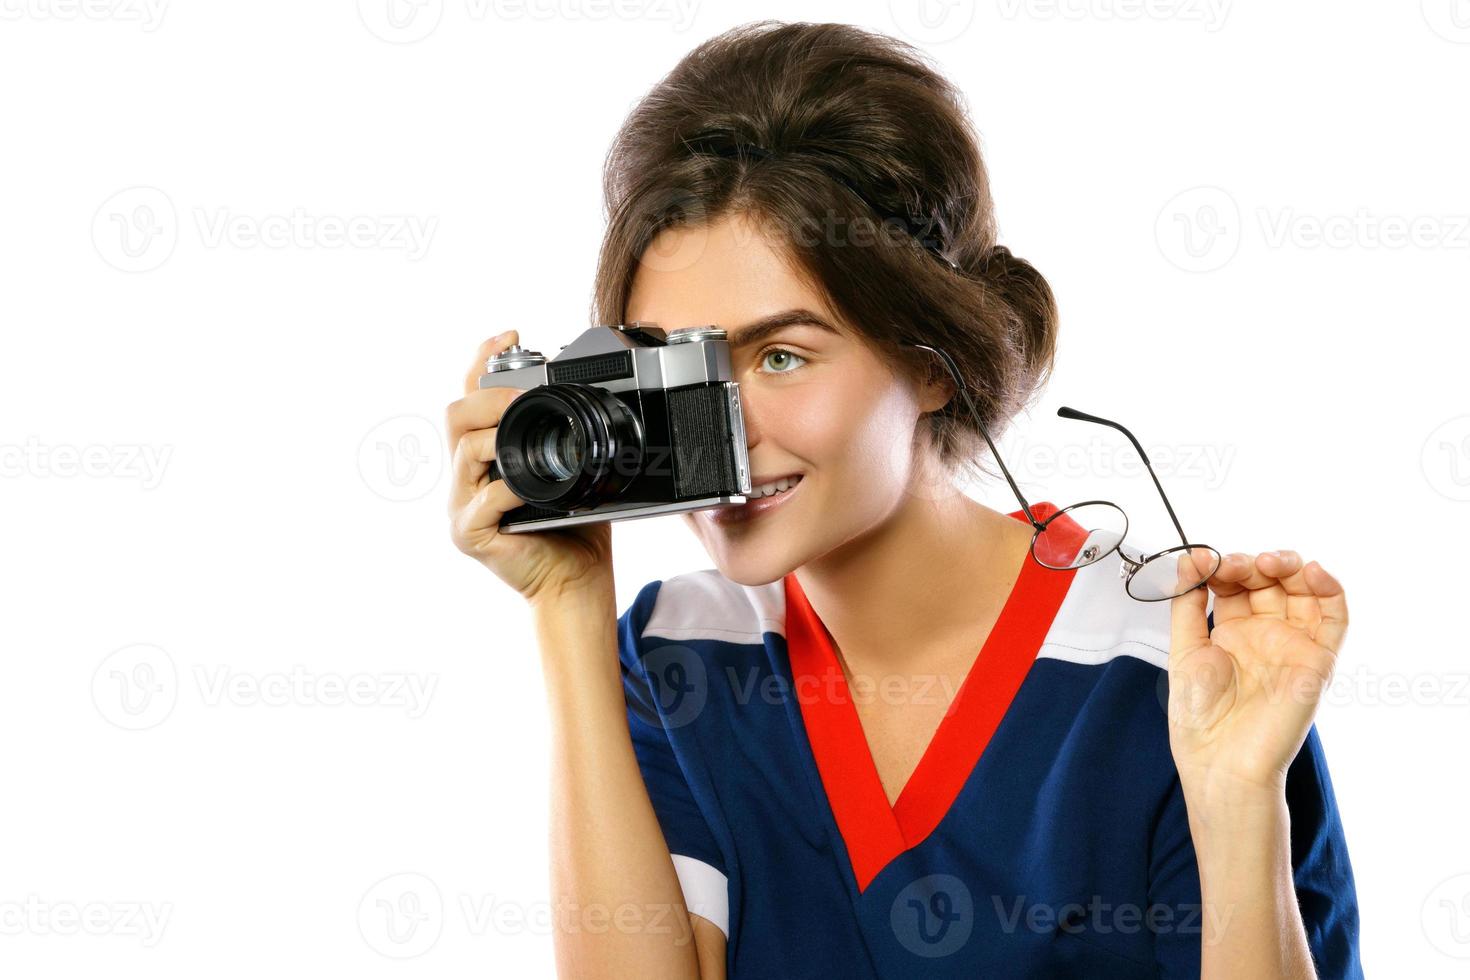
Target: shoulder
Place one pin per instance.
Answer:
(1099, 622)
(1101, 671)
(1096, 623)
(705, 605)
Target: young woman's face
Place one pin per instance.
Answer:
(819, 403)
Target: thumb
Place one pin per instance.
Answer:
(1189, 626)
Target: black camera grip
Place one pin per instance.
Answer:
(494, 473)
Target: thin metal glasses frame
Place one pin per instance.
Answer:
(1131, 564)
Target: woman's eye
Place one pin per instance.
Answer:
(781, 361)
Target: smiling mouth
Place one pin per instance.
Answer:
(773, 487)
(762, 498)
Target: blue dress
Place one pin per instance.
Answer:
(1042, 834)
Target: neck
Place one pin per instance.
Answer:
(935, 573)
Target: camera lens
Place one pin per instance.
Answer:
(568, 446)
(555, 449)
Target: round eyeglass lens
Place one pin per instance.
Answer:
(1173, 572)
(1079, 535)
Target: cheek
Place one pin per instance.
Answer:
(852, 431)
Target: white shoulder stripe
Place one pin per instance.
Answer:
(1097, 656)
(705, 605)
(706, 890)
(1098, 620)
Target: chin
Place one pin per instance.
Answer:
(754, 573)
(748, 562)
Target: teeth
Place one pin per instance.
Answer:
(769, 489)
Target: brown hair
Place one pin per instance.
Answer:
(854, 126)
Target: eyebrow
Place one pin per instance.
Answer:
(754, 333)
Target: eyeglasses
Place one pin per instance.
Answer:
(1096, 528)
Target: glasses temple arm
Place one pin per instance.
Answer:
(954, 373)
(1072, 413)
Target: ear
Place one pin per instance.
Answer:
(936, 388)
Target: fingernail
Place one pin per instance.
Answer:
(1276, 553)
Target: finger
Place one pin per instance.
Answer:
(1248, 585)
(1302, 608)
(493, 346)
(1234, 569)
(471, 465)
(484, 511)
(480, 409)
(1198, 671)
(1239, 572)
(1232, 598)
(1189, 626)
(1268, 597)
(1332, 602)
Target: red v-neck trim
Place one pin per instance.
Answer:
(874, 831)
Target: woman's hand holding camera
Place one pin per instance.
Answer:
(540, 565)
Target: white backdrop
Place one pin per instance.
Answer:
(260, 717)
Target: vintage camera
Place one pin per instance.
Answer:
(627, 421)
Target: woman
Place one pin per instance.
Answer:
(878, 738)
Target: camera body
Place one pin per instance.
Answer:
(625, 422)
